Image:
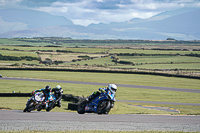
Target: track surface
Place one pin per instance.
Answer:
(65, 121)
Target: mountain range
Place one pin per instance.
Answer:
(182, 24)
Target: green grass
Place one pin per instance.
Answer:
(35, 62)
(158, 59)
(16, 41)
(162, 66)
(17, 53)
(34, 48)
(100, 61)
(88, 50)
(139, 51)
(134, 79)
(170, 62)
(123, 93)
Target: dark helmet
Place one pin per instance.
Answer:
(48, 88)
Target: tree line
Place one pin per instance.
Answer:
(14, 58)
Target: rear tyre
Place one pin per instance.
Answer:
(81, 107)
(39, 108)
(103, 107)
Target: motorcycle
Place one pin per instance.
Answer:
(102, 104)
(34, 102)
(51, 102)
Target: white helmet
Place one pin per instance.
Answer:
(112, 88)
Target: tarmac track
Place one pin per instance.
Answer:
(68, 121)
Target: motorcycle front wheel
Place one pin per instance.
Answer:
(50, 106)
(103, 107)
(30, 106)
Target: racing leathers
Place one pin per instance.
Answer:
(97, 93)
(58, 93)
(47, 95)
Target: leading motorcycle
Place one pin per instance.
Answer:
(34, 102)
(102, 104)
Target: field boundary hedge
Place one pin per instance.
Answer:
(103, 71)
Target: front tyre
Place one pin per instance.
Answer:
(30, 106)
(103, 107)
(81, 107)
(25, 109)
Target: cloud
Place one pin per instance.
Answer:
(85, 12)
(9, 3)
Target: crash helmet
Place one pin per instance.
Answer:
(58, 87)
(48, 88)
(112, 88)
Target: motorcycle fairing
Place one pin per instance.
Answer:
(52, 97)
(92, 106)
(111, 95)
(39, 97)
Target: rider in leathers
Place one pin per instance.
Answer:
(58, 93)
(111, 87)
(47, 94)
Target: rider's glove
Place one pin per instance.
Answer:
(101, 89)
(33, 92)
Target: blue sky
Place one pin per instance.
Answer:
(85, 12)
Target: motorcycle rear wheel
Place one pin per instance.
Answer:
(103, 107)
(81, 107)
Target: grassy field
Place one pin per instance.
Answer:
(134, 79)
(147, 51)
(73, 51)
(171, 61)
(159, 59)
(18, 53)
(165, 67)
(146, 62)
(123, 93)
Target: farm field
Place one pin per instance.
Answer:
(102, 53)
(175, 59)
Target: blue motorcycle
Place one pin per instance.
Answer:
(50, 104)
(102, 104)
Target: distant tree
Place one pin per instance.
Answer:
(170, 39)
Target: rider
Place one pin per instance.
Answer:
(111, 87)
(58, 93)
(47, 93)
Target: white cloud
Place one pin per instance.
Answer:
(9, 3)
(85, 12)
